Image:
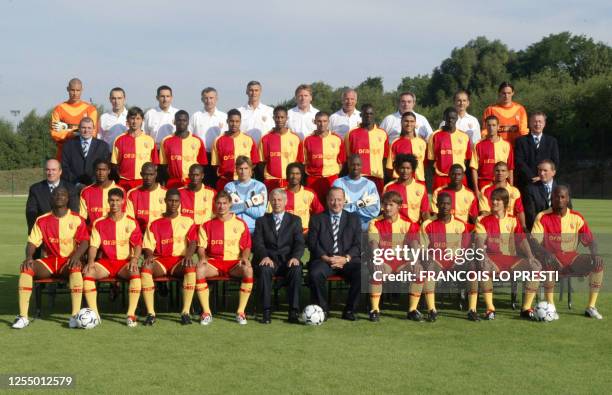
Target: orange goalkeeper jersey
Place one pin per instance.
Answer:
(70, 114)
(512, 121)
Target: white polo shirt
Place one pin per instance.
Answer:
(302, 123)
(159, 124)
(470, 125)
(392, 124)
(208, 127)
(112, 125)
(256, 122)
(341, 123)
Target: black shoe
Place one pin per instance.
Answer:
(528, 314)
(433, 315)
(185, 319)
(150, 320)
(415, 315)
(267, 317)
(294, 316)
(374, 316)
(348, 315)
(473, 316)
(326, 314)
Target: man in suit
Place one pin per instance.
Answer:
(539, 193)
(278, 246)
(334, 242)
(80, 154)
(39, 197)
(531, 149)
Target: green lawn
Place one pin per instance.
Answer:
(507, 355)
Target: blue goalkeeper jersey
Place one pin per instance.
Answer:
(356, 190)
(245, 192)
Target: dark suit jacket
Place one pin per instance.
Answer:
(320, 236)
(39, 200)
(279, 246)
(78, 169)
(535, 201)
(527, 157)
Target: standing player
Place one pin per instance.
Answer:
(466, 122)
(113, 123)
(301, 201)
(415, 201)
(118, 239)
(392, 122)
(179, 151)
(277, 149)
(159, 121)
(132, 149)
(515, 204)
(371, 144)
(408, 143)
(256, 116)
(197, 200)
(512, 116)
(146, 203)
(94, 198)
(225, 249)
(347, 118)
(324, 155)
(249, 196)
(302, 116)
(487, 153)
(66, 116)
(168, 248)
(446, 147)
(464, 202)
(65, 239)
(229, 146)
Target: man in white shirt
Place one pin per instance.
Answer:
(347, 118)
(210, 123)
(159, 121)
(256, 116)
(466, 123)
(392, 123)
(113, 123)
(301, 117)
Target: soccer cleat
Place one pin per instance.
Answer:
(185, 319)
(590, 312)
(294, 316)
(131, 321)
(205, 319)
(150, 320)
(72, 322)
(415, 315)
(21, 322)
(433, 315)
(528, 314)
(241, 318)
(266, 316)
(348, 315)
(489, 315)
(374, 316)
(473, 316)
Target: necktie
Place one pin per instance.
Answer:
(85, 145)
(335, 227)
(536, 140)
(51, 187)
(277, 222)
(547, 188)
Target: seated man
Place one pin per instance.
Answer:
(464, 202)
(94, 198)
(338, 254)
(415, 201)
(224, 249)
(64, 236)
(168, 248)
(557, 232)
(249, 196)
(197, 199)
(499, 234)
(114, 250)
(146, 203)
(515, 204)
(301, 201)
(386, 232)
(278, 246)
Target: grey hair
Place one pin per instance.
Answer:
(279, 191)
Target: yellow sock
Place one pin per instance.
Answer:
(148, 290)
(531, 287)
(245, 291)
(549, 292)
(189, 280)
(415, 294)
(91, 294)
(375, 293)
(133, 295)
(487, 293)
(473, 296)
(25, 291)
(203, 292)
(595, 281)
(75, 282)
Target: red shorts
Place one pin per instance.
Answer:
(440, 181)
(394, 265)
(566, 258)
(223, 266)
(504, 262)
(53, 263)
(112, 266)
(221, 182)
(446, 264)
(129, 184)
(168, 262)
(274, 183)
(321, 186)
(177, 183)
(379, 182)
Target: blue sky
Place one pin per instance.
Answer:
(192, 44)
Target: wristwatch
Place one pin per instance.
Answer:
(348, 258)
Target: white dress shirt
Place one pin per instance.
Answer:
(341, 123)
(112, 125)
(256, 122)
(208, 127)
(470, 125)
(392, 124)
(159, 123)
(302, 123)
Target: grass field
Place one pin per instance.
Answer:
(453, 355)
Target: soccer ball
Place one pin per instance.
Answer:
(545, 312)
(87, 318)
(313, 315)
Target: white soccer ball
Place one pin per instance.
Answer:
(87, 318)
(313, 315)
(545, 312)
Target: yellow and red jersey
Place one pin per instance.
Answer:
(170, 236)
(387, 233)
(372, 146)
(115, 239)
(227, 148)
(561, 234)
(180, 153)
(71, 114)
(324, 156)
(146, 206)
(59, 235)
(512, 121)
(224, 240)
(434, 233)
(278, 150)
(515, 204)
(446, 149)
(464, 202)
(199, 205)
(94, 201)
(501, 235)
(409, 145)
(414, 199)
(487, 153)
(131, 152)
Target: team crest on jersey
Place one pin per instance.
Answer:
(127, 229)
(572, 226)
(244, 144)
(418, 193)
(183, 226)
(380, 139)
(508, 228)
(332, 145)
(460, 140)
(465, 199)
(517, 117)
(71, 226)
(161, 200)
(193, 146)
(505, 150)
(236, 230)
(146, 145)
(305, 199)
(264, 118)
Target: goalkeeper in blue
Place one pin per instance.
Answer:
(249, 196)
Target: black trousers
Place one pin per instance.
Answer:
(292, 279)
(318, 271)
